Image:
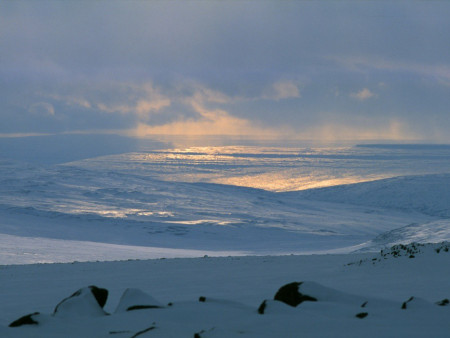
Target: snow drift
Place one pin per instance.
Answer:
(298, 308)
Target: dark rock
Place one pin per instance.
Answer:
(262, 307)
(290, 295)
(443, 302)
(198, 334)
(142, 307)
(202, 299)
(100, 295)
(86, 302)
(143, 331)
(361, 315)
(404, 303)
(25, 320)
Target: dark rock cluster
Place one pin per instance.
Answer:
(406, 250)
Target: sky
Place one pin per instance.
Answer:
(300, 70)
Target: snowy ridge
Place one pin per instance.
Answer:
(411, 250)
(432, 232)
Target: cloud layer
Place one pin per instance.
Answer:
(339, 70)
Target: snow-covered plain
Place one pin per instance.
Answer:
(175, 203)
(234, 202)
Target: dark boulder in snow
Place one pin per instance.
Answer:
(262, 307)
(443, 302)
(416, 303)
(143, 331)
(404, 305)
(135, 299)
(25, 320)
(289, 294)
(361, 315)
(86, 302)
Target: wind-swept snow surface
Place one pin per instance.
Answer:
(361, 295)
(68, 206)
(427, 194)
(173, 203)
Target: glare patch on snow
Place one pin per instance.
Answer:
(279, 168)
(203, 221)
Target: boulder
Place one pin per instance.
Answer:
(289, 294)
(25, 320)
(135, 299)
(86, 302)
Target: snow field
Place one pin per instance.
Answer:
(233, 288)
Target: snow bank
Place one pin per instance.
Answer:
(341, 296)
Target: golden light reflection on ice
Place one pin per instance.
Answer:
(278, 183)
(274, 168)
(268, 168)
(202, 221)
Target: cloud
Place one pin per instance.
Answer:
(190, 108)
(282, 90)
(393, 130)
(19, 135)
(362, 95)
(42, 108)
(208, 122)
(146, 106)
(202, 93)
(71, 100)
(142, 100)
(218, 124)
(438, 71)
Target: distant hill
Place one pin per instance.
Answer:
(427, 194)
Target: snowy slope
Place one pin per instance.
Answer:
(173, 203)
(359, 295)
(427, 194)
(432, 232)
(67, 203)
